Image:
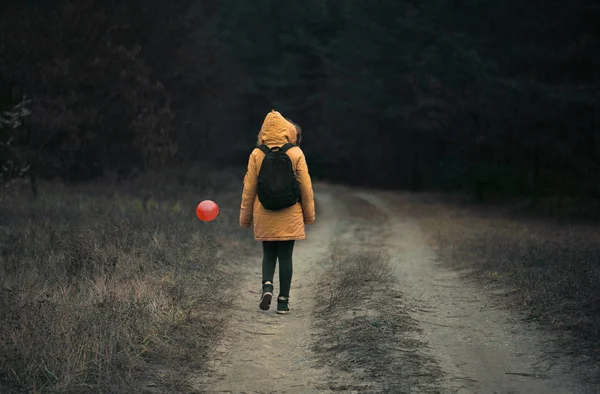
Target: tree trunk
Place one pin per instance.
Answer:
(534, 189)
(33, 179)
(415, 182)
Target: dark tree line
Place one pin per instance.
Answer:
(493, 97)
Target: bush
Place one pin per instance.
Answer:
(12, 162)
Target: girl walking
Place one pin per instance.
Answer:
(288, 209)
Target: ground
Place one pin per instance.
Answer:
(437, 330)
(119, 288)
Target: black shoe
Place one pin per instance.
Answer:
(283, 306)
(266, 296)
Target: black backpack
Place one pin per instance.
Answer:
(278, 187)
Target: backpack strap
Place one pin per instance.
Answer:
(287, 147)
(264, 148)
(284, 148)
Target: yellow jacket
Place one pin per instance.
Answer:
(286, 224)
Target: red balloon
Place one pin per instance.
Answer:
(207, 210)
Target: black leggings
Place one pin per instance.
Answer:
(282, 250)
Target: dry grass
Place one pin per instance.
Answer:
(112, 288)
(350, 277)
(552, 268)
(362, 326)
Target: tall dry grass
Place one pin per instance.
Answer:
(115, 287)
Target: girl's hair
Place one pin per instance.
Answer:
(298, 131)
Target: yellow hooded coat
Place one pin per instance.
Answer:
(288, 223)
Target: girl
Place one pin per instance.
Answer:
(278, 230)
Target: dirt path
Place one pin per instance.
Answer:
(480, 347)
(264, 352)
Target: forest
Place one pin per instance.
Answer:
(494, 98)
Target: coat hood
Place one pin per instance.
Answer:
(276, 130)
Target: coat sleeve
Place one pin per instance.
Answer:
(248, 194)
(306, 191)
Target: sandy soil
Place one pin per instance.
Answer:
(480, 346)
